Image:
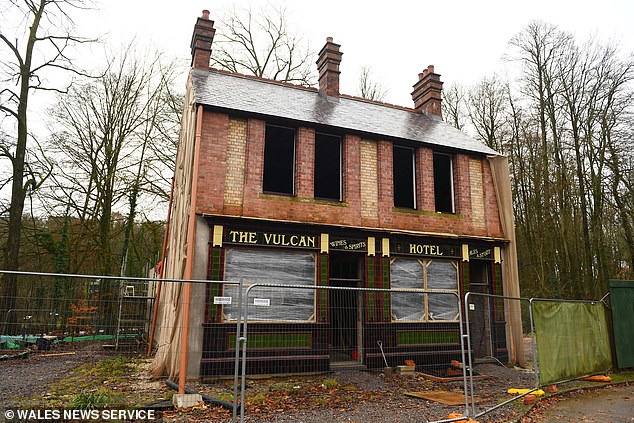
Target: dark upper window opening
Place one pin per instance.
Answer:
(327, 179)
(443, 183)
(279, 160)
(404, 177)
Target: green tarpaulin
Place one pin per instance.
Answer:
(572, 340)
(622, 300)
(16, 342)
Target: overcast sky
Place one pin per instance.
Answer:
(463, 39)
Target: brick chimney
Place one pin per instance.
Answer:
(427, 94)
(328, 67)
(201, 41)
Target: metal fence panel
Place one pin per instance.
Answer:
(490, 378)
(346, 336)
(100, 325)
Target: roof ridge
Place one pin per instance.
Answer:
(379, 103)
(308, 88)
(261, 79)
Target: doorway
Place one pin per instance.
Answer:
(345, 311)
(480, 310)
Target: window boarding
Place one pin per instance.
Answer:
(274, 267)
(412, 273)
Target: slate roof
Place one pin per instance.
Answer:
(228, 91)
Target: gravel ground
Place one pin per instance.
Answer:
(25, 378)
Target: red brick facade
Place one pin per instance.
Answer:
(302, 207)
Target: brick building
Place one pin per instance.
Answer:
(285, 184)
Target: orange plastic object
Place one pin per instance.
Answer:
(458, 415)
(598, 378)
(530, 399)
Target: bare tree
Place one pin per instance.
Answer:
(538, 47)
(106, 128)
(454, 106)
(570, 141)
(486, 109)
(38, 44)
(262, 44)
(369, 87)
(162, 150)
(158, 132)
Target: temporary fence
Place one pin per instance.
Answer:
(347, 331)
(288, 330)
(239, 330)
(486, 318)
(51, 308)
(622, 304)
(567, 339)
(573, 338)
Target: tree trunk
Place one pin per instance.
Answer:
(18, 190)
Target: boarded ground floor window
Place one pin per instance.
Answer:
(412, 273)
(271, 267)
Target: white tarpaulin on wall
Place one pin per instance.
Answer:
(170, 307)
(502, 183)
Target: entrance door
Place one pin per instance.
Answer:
(344, 307)
(480, 317)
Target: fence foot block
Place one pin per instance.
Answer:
(186, 400)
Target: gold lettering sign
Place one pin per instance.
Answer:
(242, 237)
(285, 240)
(425, 249)
(271, 238)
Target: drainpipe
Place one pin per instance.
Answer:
(157, 298)
(189, 264)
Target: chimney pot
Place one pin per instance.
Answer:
(205, 14)
(329, 40)
(427, 94)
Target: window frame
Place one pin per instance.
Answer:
(340, 138)
(425, 263)
(412, 150)
(451, 182)
(293, 165)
